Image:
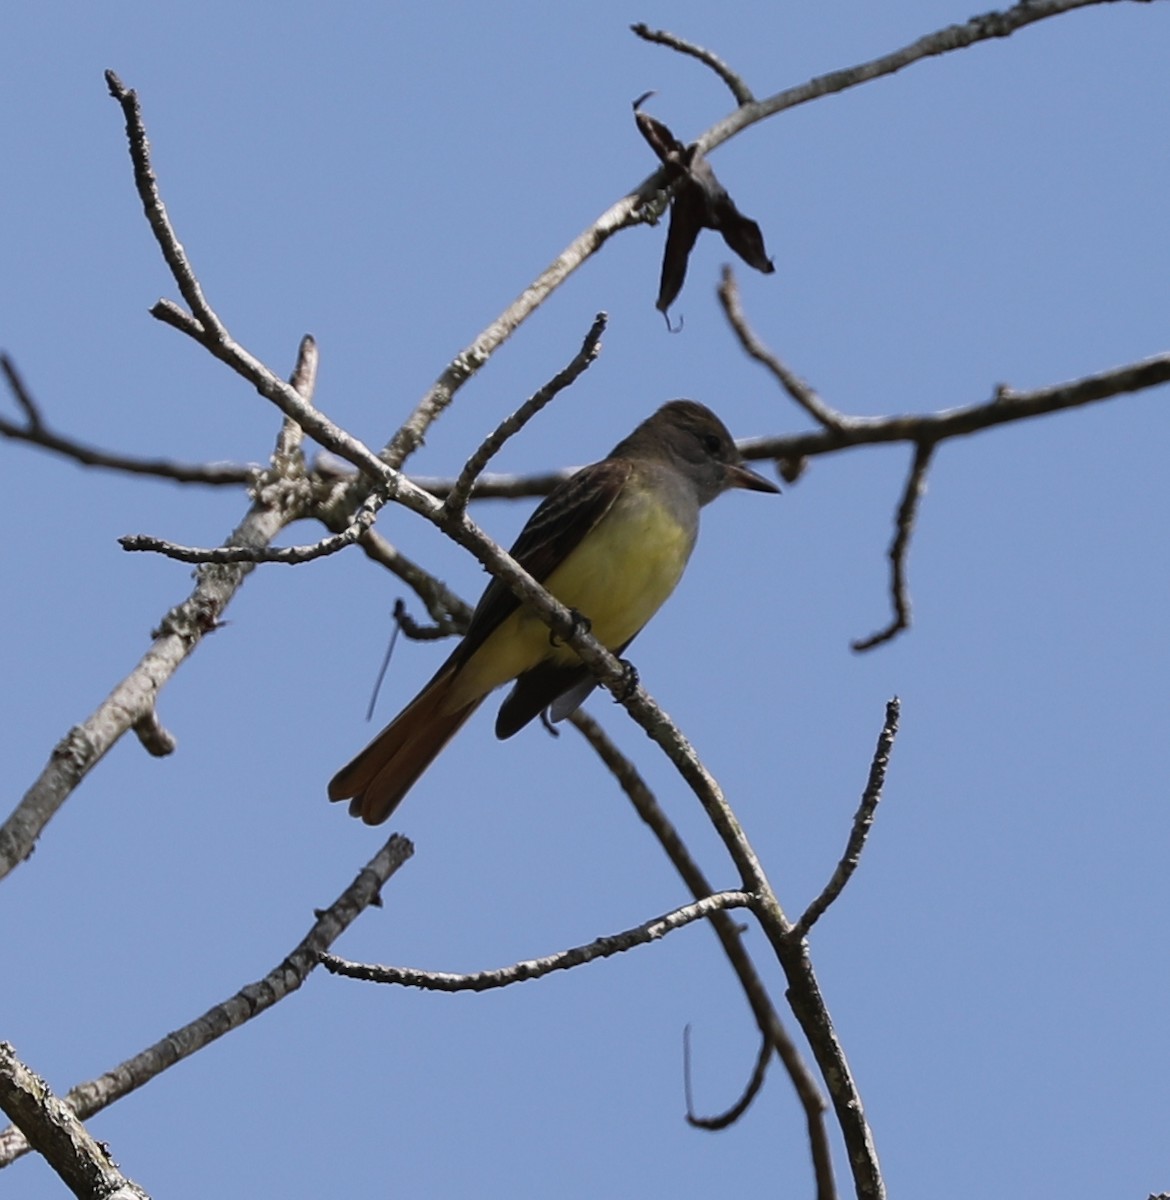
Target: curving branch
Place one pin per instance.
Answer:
(725, 1119)
(735, 82)
(156, 213)
(899, 547)
(250, 1001)
(210, 332)
(537, 968)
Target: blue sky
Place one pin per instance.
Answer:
(389, 181)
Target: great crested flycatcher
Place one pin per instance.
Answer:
(611, 542)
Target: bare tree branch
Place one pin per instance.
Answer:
(733, 1114)
(607, 668)
(456, 500)
(862, 823)
(536, 968)
(287, 555)
(739, 89)
(58, 1136)
(796, 387)
(156, 213)
(250, 1001)
(22, 395)
(903, 528)
(807, 1002)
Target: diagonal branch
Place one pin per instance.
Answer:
(862, 823)
(52, 1129)
(250, 1001)
(156, 212)
(456, 500)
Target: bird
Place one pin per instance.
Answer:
(610, 543)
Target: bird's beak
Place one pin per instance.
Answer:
(742, 476)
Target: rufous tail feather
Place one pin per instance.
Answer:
(375, 781)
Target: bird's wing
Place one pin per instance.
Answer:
(563, 518)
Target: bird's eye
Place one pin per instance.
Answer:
(712, 443)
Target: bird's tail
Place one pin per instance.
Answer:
(375, 781)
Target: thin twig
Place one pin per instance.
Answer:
(405, 623)
(537, 968)
(739, 89)
(250, 1001)
(457, 499)
(53, 1130)
(156, 212)
(304, 380)
(287, 555)
(904, 527)
(862, 822)
(805, 396)
(156, 739)
(21, 394)
(733, 1114)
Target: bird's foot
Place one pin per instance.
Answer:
(629, 683)
(581, 624)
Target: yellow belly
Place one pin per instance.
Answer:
(618, 577)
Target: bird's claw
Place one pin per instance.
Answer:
(629, 683)
(581, 624)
